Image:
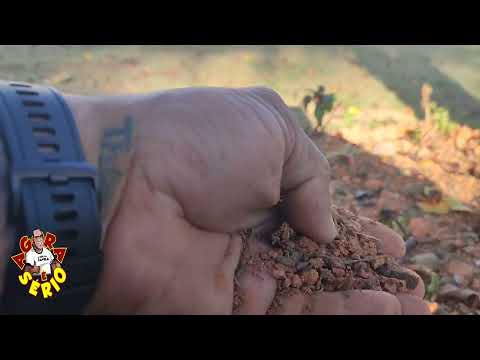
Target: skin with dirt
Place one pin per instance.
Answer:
(351, 262)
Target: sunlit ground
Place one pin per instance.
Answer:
(363, 76)
(382, 82)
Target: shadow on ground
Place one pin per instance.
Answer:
(354, 169)
(407, 70)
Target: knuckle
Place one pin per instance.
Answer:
(325, 166)
(274, 100)
(269, 95)
(268, 195)
(322, 164)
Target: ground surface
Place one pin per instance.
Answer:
(385, 76)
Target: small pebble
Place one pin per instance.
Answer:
(274, 254)
(363, 274)
(296, 281)
(285, 260)
(446, 280)
(310, 277)
(458, 279)
(278, 273)
(317, 263)
(429, 260)
(410, 244)
(302, 266)
(264, 256)
(338, 272)
(296, 256)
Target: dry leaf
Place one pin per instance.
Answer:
(439, 208)
(433, 307)
(467, 296)
(456, 205)
(443, 207)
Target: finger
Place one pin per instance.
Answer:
(294, 305)
(308, 211)
(256, 291)
(256, 288)
(225, 273)
(391, 244)
(232, 254)
(334, 304)
(306, 175)
(306, 188)
(419, 290)
(389, 241)
(413, 305)
(355, 302)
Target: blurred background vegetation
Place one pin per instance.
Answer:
(362, 77)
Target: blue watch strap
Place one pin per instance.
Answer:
(53, 188)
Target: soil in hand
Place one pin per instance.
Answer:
(352, 261)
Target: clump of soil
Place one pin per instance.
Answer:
(351, 261)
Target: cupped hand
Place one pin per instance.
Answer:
(258, 289)
(182, 172)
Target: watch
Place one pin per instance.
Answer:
(53, 188)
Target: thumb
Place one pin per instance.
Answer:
(305, 178)
(305, 185)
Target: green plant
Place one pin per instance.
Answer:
(432, 288)
(324, 103)
(441, 119)
(400, 224)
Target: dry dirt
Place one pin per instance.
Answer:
(351, 261)
(428, 191)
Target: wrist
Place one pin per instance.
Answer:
(105, 127)
(38, 189)
(88, 123)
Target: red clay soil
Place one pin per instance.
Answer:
(351, 261)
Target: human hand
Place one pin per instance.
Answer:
(182, 172)
(257, 290)
(186, 172)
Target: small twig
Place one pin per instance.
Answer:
(368, 259)
(421, 142)
(402, 229)
(348, 262)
